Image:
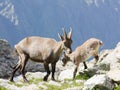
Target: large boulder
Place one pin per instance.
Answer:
(6, 58)
(114, 75)
(98, 82)
(112, 60)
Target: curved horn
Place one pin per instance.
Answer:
(65, 34)
(70, 33)
(61, 37)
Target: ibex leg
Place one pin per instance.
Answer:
(85, 65)
(15, 69)
(53, 70)
(46, 66)
(23, 63)
(75, 71)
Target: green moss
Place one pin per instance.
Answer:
(2, 88)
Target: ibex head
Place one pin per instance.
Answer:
(65, 59)
(67, 40)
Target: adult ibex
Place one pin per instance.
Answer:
(82, 53)
(43, 50)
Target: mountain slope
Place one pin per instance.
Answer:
(88, 18)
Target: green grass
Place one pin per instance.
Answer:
(35, 81)
(64, 85)
(117, 88)
(68, 83)
(18, 84)
(2, 88)
(82, 77)
(52, 87)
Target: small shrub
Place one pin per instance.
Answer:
(105, 67)
(82, 76)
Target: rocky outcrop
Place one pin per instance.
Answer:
(112, 61)
(102, 76)
(109, 64)
(107, 69)
(8, 59)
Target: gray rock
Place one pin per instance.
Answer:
(6, 58)
(9, 58)
(100, 82)
(66, 74)
(114, 75)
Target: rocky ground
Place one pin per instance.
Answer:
(102, 76)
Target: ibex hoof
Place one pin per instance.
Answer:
(53, 79)
(11, 80)
(86, 68)
(26, 81)
(45, 79)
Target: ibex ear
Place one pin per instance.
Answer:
(61, 37)
(70, 33)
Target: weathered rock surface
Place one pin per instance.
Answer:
(98, 82)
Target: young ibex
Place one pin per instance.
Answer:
(82, 53)
(43, 50)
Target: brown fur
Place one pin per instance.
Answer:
(83, 52)
(39, 49)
